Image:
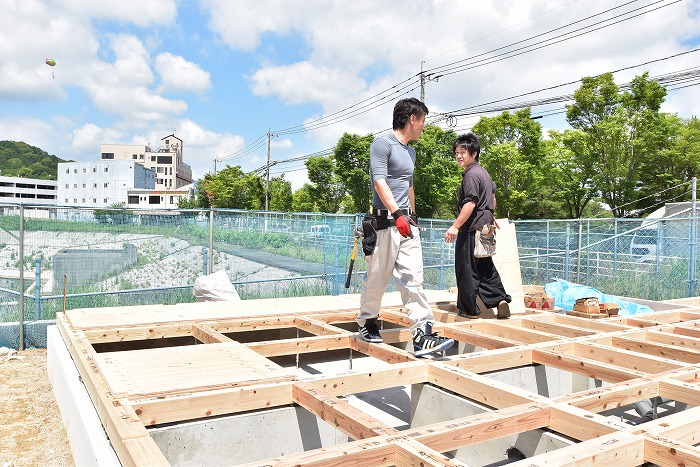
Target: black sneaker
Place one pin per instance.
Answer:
(425, 341)
(370, 333)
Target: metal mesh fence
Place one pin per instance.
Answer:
(85, 258)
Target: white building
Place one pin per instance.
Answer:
(102, 183)
(166, 161)
(20, 190)
(158, 199)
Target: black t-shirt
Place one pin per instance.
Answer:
(477, 186)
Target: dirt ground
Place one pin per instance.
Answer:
(31, 428)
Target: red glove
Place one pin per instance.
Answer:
(403, 222)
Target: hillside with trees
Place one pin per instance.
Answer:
(18, 159)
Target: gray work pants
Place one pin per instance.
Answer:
(401, 258)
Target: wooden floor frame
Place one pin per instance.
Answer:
(639, 357)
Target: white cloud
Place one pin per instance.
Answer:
(177, 74)
(138, 12)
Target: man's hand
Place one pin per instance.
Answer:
(451, 234)
(403, 222)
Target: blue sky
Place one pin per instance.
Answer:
(220, 73)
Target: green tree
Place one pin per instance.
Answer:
(232, 188)
(18, 159)
(351, 155)
(620, 133)
(570, 171)
(302, 200)
(280, 194)
(437, 175)
(512, 153)
(326, 189)
(665, 173)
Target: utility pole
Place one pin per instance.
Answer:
(267, 176)
(422, 82)
(215, 165)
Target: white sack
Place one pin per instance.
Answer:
(215, 287)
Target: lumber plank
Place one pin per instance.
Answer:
(613, 396)
(478, 338)
(168, 409)
(680, 391)
(580, 424)
(626, 359)
(681, 426)
(662, 451)
(585, 366)
(409, 453)
(400, 374)
(479, 388)
(659, 350)
(501, 359)
(208, 335)
(561, 330)
(300, 346)
(669, 338)
(615, 449)
(348, 419)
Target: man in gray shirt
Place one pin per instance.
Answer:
(392, 220)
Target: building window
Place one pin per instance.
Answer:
(66, 200)
(133, 199)
(106, 169)
(105, 201)
(106, 183)
(84, 186)
(94, 200)
(165, 159)
(154, 200)
(75, 171)
(107, 155)
(134, 156)
(172, 200)
(84, 170)
(159, 170)
(75, 185)
(94, 170)
(83, 200)
(67, 186)
(153, 158)
(94, 185)
(141, 156)
(67, 171)
(75, 200)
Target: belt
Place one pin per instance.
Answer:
(385, 212)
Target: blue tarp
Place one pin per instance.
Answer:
(566, 293)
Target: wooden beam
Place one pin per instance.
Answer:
(300, 345)
(610, 397)
(346, 418)
(614, 449)
(317, 327)
(680, 426)
(687, 331)
(479, 388)
(680, 391)
(520, 335)
(585, 366)
(410, 453)
(384, 352)
(478, 338)
(669, 338)
(561, 330)
(169, 409)
(660, 350)
(662, 451)
(581, 424)
(625, 359)
(501, 359)
(400, 374)
(585, 323)
(208, 335)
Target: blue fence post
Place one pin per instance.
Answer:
(37, 290)
(567, 275)
(441, 276)
(205, 261)
(336, 288)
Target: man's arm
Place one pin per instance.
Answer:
(464, 214)
(385, 194)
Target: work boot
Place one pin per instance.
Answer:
(502, 310)
(369, 332)
(426, 341)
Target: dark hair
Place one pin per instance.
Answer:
(468, 141)
(403, 110)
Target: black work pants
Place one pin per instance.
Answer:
(475, 277)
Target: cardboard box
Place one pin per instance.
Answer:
(587, 305)
(610, 309)
(539, 302)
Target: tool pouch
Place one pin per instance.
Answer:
(369, 234)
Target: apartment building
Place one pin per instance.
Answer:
(171, 172)
(101, 183)
(158, 199)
